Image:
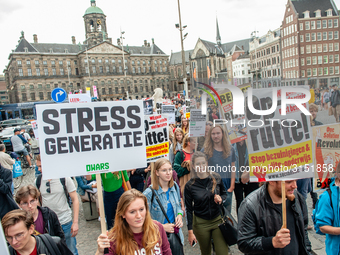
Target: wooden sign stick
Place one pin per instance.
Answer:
(284, 212)
(101, 203)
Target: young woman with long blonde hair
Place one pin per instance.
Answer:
(134, 231)
(176, 146)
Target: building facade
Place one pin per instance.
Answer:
(310, 43)
(35, 69)
(242, 70)
(265, 60)
(3, 91)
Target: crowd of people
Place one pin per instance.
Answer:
(146, 208)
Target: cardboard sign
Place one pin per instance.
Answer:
(35, 129)
(280, 146)
(326, 141)
(169, 110)
(157, 137)
(79, 98)
(197, 123)
(3, 242)
(148, 106)
(80, 139)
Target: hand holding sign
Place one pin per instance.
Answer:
(260, 173)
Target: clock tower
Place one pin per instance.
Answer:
(95, 25)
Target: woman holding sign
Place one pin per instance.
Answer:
(134, 231)
(177, 145)
(203, 196)
(113, 189)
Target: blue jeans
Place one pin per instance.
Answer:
(110, 205)
(71, 242)
(227, 203)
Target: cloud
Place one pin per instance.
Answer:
(8, 7)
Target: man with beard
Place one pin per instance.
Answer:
(260, 221)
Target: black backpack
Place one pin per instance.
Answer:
(62, 181)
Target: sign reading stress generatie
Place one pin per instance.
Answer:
(80, 139)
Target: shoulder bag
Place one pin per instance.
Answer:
(174, 240)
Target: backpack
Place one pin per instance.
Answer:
(317, 208)
(62, 181)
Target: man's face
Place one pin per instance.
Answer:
(18, 235)
(290, 187)
(38, 164)
(179, 105)
(216, 135)
(147, 104)
(29, 204)
(207, 128)
(313, 112)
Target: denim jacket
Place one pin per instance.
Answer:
(237, 165)
(82, 186)
(155, 210)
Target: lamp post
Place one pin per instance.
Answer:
(179, 26)
(121, 39)
(253, 35)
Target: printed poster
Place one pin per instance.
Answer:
(157, 137)
(170, 111)
(197, 123)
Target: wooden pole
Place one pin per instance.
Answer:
(101, 203)
(152, 164)
(284, 213)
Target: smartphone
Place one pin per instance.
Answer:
(193, 244)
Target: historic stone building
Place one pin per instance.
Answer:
(176, 70)
(35, 69)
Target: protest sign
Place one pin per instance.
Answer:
(326, 141)
(170, 111)
(148, 106)
(236, 132)
(3, 242)
(79, 98)
(159, 107)
(80, 139)
(197, 123)
(280, 146)
(35, 129)
(157, 137)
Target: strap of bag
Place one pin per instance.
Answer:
(330, 196)
(50, 244)
(88, 194)
(160, 204)
(63, 182)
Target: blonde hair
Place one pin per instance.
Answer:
(209, 144)
(186, 128)
(121, 234)
(177, 130)
(313, 107)
(154, 178)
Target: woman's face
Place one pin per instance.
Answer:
(135, 215)
(200, 165)
(192, 144)
(184, 122)
(179, 137)
(164, 173)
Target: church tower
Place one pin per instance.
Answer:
(218, 36)
(95, 25)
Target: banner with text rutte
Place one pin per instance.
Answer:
(157, 137)
(237, 131)
(326, 141)
(280, 146)
(98, 137)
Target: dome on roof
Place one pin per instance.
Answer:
(93, 8)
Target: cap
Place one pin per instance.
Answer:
(17, 129)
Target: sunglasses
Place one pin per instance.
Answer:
(48, 184)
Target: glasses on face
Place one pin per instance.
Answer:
(48, 184)
(17, 237)
(32, 202)
(166, 170)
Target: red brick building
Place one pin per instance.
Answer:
(310, 43)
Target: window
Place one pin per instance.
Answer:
(120, 69)
(61, 71)
(314, 71)
(93, 69)
(101, 69)
(301, 38)
(308, 61)
(38, 71)
(41, 95)
(330, 23)
(325, 47)
(307, 37)
(22, 87)
(45, 71)
(319, 47)
(301, 26)
(330, 59)
(99, 60)
(336, 35)
(28, 62)
(19, 62)
(314, 60)
(107, 69)
(53, 63)
(330, 47)
(302, 61)
(106, 61)
(133, 69)
(330, 35)
(307, 25)
(93, 61)
(336, 23)
(113, 61)
(303, 73)
(20, 72)
(139, 71)
(314, 48)
(324, 24)
(113, 69)
(319, 36)
(309, 72)
(29, 72)
(47, 86)
(36, 62)
(336, 58)
(23, 96)
(319, 60)
(320, 71)
(331, 70)
(144, 69)
(60, 63)
(307, 49)
(318, 24)
(336, 46)
(313, 37)
(119, 61)
(325, 70)
(336, 69)
(86, 69)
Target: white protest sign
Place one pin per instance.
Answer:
(98, 137)
(197, 123)
(79, 98)
(170, 111)
(3, 243)
(157, 137)
(35, 129)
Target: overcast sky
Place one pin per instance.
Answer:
(56, 21)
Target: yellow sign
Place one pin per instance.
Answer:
(187, 115)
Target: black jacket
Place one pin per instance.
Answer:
(6, 197)
(52, 225)
(335, 98)
(259, 220)
(204, 205)
(42, 249)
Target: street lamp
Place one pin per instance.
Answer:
(253, 35)
(121, 39)
(179, 26)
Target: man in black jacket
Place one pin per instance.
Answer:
(335, 102)
(45, 220)
(7, 202)
(260, 221)
(18, 227)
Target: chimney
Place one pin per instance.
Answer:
(74, 40)
(35, 38)
(153, 41)
(242, 47)
(145, 43)
(148, 44)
